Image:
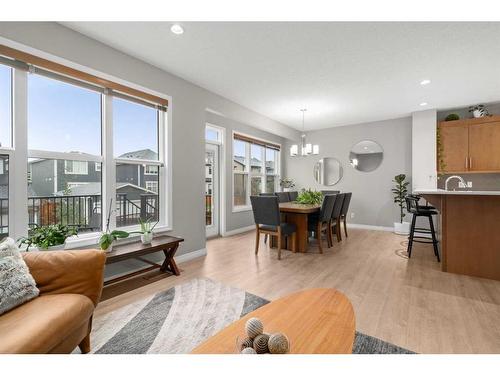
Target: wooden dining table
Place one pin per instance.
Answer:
(296, 213)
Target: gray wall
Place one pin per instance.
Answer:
(235, 220)
(188, 107)
(372, 201)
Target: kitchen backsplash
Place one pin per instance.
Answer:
(480, 181)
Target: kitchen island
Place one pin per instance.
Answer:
(469, 231)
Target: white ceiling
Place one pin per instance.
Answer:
(343, 73)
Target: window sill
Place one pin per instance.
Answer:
(242, 208)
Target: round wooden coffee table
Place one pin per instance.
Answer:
(317, 321)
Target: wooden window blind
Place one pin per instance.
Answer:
(35, 64)
(244, 138)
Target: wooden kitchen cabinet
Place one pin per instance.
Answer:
(470, 145)
(455, 146)
(484, 147)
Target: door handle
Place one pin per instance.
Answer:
(466, 163)
(470, 162)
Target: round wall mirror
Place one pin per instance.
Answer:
(327, 171)
(366, 156)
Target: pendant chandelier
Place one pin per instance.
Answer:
(304, 148)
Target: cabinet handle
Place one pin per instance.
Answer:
(466, 163)
(470, 162)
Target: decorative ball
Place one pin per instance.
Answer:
(260, 343)
(248, 351)
(254, 327)
(278, 344)
(246, 343)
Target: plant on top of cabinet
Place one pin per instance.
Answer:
(452, 117)
(478, 111)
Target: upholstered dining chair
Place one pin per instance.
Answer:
(319, 223)
(293, 195)
(344, 210)
(267, 195)
(335, 219)
(267, 218)
(282, 196)
(326, 192)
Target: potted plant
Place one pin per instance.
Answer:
(400, 190)
(287, 184)
(50, 237)
(146, 231)
(310, 197)
(478, 111)
(108, 237)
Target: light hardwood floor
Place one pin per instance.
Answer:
(410, 303)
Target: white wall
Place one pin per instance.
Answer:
(372, 200)
(424, 149)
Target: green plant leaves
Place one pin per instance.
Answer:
(310, 197)
(46, 236)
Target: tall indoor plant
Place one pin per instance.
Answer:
(400, 191)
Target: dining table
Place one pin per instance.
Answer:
(297, 213)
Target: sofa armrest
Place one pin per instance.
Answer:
(68, 271)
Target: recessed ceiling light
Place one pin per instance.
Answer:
(177, 29)
(425, 82)
(423, 104)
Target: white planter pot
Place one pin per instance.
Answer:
(477, 113)
(287, 189)
(51, 248)
(109, 249)
(402, 228)
(147, 238)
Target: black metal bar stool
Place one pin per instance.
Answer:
(417, 210)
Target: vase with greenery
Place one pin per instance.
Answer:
(310, 197)
(400, 191)
(49, 237)
(287, 184)
(108, 237)
(146, 231)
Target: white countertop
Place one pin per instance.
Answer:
(455, 192)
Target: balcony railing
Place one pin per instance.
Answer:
(83, 211)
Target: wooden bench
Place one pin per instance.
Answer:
(136, 250)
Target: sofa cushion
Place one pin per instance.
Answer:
(16, 283)
(41, 324)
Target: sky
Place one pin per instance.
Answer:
(64, 118)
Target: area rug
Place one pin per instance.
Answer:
(180, 318)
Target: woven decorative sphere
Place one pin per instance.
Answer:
(246, 343)
(278, 344)
(248, 351)
(254, 327)
(260, 343)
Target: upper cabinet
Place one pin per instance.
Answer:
(469, 146)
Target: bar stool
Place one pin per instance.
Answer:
(414, 208)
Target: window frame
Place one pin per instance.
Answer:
(262, 175)
(19, 156)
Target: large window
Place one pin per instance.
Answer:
(64, 122)
(84, 143)
(255, 169)
(136, 150)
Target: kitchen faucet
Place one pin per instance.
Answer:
(451, 177)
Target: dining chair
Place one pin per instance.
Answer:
(282, 197)
(293, 195)
(345, 208)
(335, 219)
(326, 192)
(267, 218)
(320, 222)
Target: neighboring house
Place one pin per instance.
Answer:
(50, 177)
(255, 165)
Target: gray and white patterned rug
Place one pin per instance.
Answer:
(180, 318)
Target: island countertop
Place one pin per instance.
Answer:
(456, 192)
(469, 231)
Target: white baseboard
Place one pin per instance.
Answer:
(191, 255)
(370, 227)
(238, 231)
